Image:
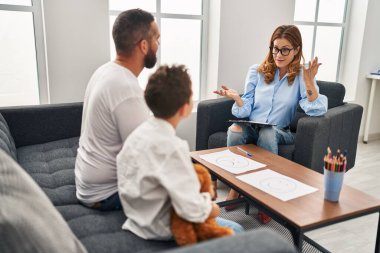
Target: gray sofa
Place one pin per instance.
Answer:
(38, 208)
(338, 128)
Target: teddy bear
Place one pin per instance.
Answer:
(185, 232)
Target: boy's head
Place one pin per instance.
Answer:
(169, 91)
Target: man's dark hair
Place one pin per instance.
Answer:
(168, 89)
(130, 28)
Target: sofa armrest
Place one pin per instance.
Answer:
(212, 117)
(43, 123)
(338, 128)
(251, 241)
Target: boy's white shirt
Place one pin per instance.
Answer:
(155, 173)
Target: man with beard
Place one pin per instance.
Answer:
(113, 107)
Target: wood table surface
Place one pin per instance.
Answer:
(305, 212)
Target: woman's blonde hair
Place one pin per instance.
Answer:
(268, 67)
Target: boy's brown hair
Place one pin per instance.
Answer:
(168, 89)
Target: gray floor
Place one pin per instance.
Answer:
(356, 235)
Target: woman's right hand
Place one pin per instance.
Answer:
(227, 92)
(230, 93)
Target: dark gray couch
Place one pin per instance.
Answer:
(43, 140)
(338, 128)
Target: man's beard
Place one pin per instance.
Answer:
(150, 59)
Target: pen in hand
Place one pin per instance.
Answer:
(245, 152)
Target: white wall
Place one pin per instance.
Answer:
(245, 30)
(350, 61)
(213, 48)
(361, 55)
(187, 130)
(370, 60)
(77, 42)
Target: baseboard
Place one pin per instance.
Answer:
(371, 137)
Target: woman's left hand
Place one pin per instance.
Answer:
(310, 72)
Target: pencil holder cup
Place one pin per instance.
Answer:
(333, 184)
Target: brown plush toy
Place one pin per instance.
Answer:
(185, 232)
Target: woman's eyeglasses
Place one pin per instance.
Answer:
(284, 51)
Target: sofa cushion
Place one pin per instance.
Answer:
(6, 140)
(28, 220)
(51, 165)
(101, 231)
(254, 241)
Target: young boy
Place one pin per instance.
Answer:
(154, 167)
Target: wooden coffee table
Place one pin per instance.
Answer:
(301, 214)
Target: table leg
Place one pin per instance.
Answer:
(297, 238)
(369, 111)
(377, 246)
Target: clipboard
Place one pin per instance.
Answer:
(257, 123)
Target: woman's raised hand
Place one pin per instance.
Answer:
(227, 92)
(308, 77)
(310, 72)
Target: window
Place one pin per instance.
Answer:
(22, 62)
(322, 24)
(183, 27)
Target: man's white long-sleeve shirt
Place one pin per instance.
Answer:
(155, 173)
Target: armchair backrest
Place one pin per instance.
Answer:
(332, 90)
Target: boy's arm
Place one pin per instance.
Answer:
(181, 182)
(214, 211)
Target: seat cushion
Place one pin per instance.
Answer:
(51, 165)
(217, 140)
(28, 220)
(6, 140)
(286, 151)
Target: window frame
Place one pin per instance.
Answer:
(36, 10)
(315, 24)
(204, 18)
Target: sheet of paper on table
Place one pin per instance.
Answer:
(277, 185)
(232, 162)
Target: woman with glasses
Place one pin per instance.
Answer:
(273, 90)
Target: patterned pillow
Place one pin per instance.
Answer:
(6, 140)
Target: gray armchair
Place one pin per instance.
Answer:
(338, 128)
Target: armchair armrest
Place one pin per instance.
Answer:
(212, 117)
(338, 128)
(43, 123)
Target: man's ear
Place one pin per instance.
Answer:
(144, 46)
